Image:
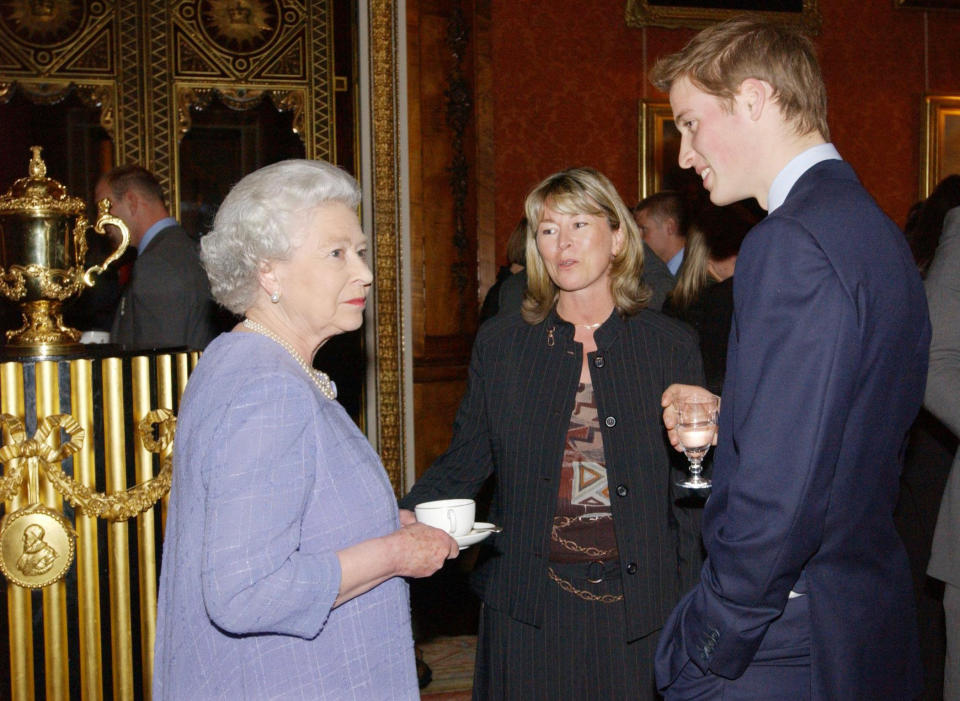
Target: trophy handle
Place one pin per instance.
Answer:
(104, 217)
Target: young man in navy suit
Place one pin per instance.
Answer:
(806, 592)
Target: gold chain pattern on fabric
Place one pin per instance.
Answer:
(582, 593)
(591, 551)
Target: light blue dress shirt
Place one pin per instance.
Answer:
(153, 231)
(673, 265)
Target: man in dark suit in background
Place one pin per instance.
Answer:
(806, 591)
(663, 219)
(167, 302)
(657, 277)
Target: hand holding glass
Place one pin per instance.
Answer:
(696, 428)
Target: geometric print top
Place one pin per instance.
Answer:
(582, 524)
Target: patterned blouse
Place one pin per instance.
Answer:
(583, 525)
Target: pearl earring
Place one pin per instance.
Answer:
(275, 297)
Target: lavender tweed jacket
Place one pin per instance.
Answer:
(270, 480)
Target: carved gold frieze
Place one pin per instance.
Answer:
(52, 283)
(36, 542)
(57, 36)
(98, 95)
(13, 285)
(239, 26)
(42, 22)
(237, 98)
(240, 40)
(42, 327)
(386, 218)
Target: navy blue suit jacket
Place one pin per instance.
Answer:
(825, 373)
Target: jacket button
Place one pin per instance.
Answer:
(598, 361)
(622, 490)
(610, 421)
(631, 568)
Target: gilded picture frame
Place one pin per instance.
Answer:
(673, 14)
(940, 151)
(659, 145)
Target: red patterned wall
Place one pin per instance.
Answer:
(568, 75)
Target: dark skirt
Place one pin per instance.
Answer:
(579, 654)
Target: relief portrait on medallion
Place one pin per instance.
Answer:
(36, 546)
(37, 557)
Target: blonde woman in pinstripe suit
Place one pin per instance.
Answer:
(563, 407)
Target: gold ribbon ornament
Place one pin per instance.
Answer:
(36, 542)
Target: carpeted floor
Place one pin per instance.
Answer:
(451, 662)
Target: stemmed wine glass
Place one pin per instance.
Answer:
(696, 427)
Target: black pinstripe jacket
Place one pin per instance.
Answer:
(513, 421)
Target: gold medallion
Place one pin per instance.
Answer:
(36, 546)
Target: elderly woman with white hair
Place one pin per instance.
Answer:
(284, 554)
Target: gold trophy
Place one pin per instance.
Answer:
(42, 250)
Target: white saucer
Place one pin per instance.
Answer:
(481, 530)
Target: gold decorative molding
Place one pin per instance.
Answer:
(238, 27)
(40, 454)
(238, 98)
(388, 349)
(57, 37)
(940, 149)
(160, 141)
(290, 62)
(323, 134)
(100, 95)
(240, 41)
(130, 144)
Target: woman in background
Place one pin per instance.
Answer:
(507, 292)
(563, 407)
(925, 221)
(942, 398)
(283, 553)
(703, 296)
(930, 480)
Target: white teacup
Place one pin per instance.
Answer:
(455, 516)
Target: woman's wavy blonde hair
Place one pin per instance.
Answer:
(583, 191)
(694, 273)
(715, 233)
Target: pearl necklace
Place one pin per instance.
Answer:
(591, 326)
(320, 379)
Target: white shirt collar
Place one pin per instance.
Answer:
(787, 178)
